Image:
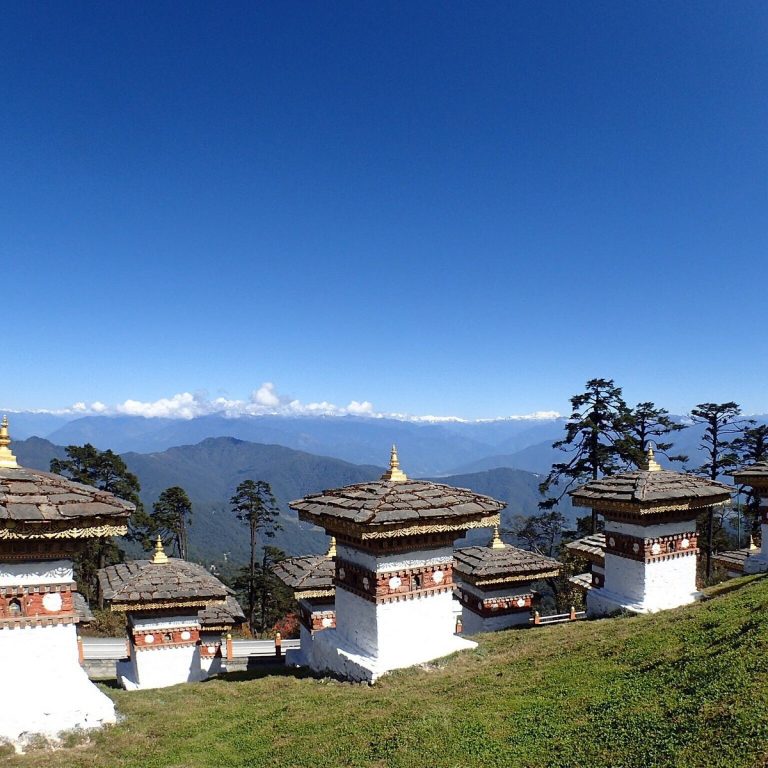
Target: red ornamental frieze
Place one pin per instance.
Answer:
(210, 650)
(165, 638)
(393, 585)
(651, 549)
(315, 620)
(17, 603)
(496, 606)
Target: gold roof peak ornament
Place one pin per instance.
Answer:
(332, 549)
(496, 542)
(651, 465)
(7, 459)
(159, 558)
(394, 474)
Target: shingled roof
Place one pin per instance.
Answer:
(755, 475)
(221, 615)
(160, 583)
(309, 576)
(650, 490)
(489, 565)
(376, 508)
(590, 547)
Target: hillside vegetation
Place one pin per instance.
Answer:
(683, 688)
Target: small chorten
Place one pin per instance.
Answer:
(168, 601)
(651, 541)
(494, 584)
(311, 579)
(7, 459)
(393, 570)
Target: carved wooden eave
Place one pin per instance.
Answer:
(13, 530)
(310, 594)
(511, 579)
(141, 606)
(636, 510)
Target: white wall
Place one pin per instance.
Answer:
(473, 624)
(396, 562)
(31, 574)
(44, 688)
(651, 531)
(159, 667)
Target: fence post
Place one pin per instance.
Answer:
(536, 617)
(230, 649)
(459, 625)
(80, 651)
(278, 645)
(573, 614)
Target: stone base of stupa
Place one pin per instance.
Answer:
(160, 668)
(330, 655)
(46, 691)
(602, 602)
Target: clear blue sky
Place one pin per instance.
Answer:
(455, 208)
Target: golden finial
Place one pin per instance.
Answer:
(7, 459)
(651, 465)
(394, 474)
(496, 542)
(159, 558)
(332, 549)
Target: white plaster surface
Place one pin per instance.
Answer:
(160, 667)
(41, 572)
(473, 624)
(165, 622)
(651, 531)
(758, 562)
(390, 562)
(644, 587)
(44, 688)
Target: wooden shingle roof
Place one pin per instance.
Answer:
(590, 547)
(42, 503)
(308, 576)
(221, 616)
(488, 565)
(144, 584)
(755, 475)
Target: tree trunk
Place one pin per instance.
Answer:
(251, 574)
(710, 520)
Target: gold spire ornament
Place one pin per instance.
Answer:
(651, 465)
(394, 474)
(496, 542)
(7, 459)
(332, 549)
(159, 558)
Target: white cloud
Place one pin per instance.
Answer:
(265, 400)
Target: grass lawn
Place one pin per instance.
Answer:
(683, 688)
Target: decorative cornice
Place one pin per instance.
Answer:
(19, 532)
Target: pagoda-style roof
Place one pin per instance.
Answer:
(650, 491)
(755, 475)
(396, 507)
(590, 548)
(42, 505)
(488, 565)
(218, 616)
(160, 583)
(308, 576)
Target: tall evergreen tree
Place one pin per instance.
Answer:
(254, 504)
(594, 436)
(644, 423)
(751, 446)
(171, 515)
(108, 472)
(721, 423)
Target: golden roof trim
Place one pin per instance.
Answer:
(23, 532)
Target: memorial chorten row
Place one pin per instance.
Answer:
(651, 541)
(393, 570)
(45, 520)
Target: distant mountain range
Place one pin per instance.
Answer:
(211, 470)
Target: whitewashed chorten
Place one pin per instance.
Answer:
(45, 520)
(651, 540)
(756, 477)
(394, 570)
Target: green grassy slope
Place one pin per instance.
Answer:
(684, 688)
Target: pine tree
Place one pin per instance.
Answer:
(721, 422)
(255, 505)
(171, 515)
(595, 438)
(751, 447)
(645, 423)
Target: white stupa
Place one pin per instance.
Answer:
(394, 570)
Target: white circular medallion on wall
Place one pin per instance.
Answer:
(342, 574)
(635, 547)
(149, 639)
(656, 548)
(612, 542)
(326, 622)
(685, 543)
(186, 634)
(437, 576)
(366, 583)
(395, 582)
(521, 602)
(52, 601)
(211, 649)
